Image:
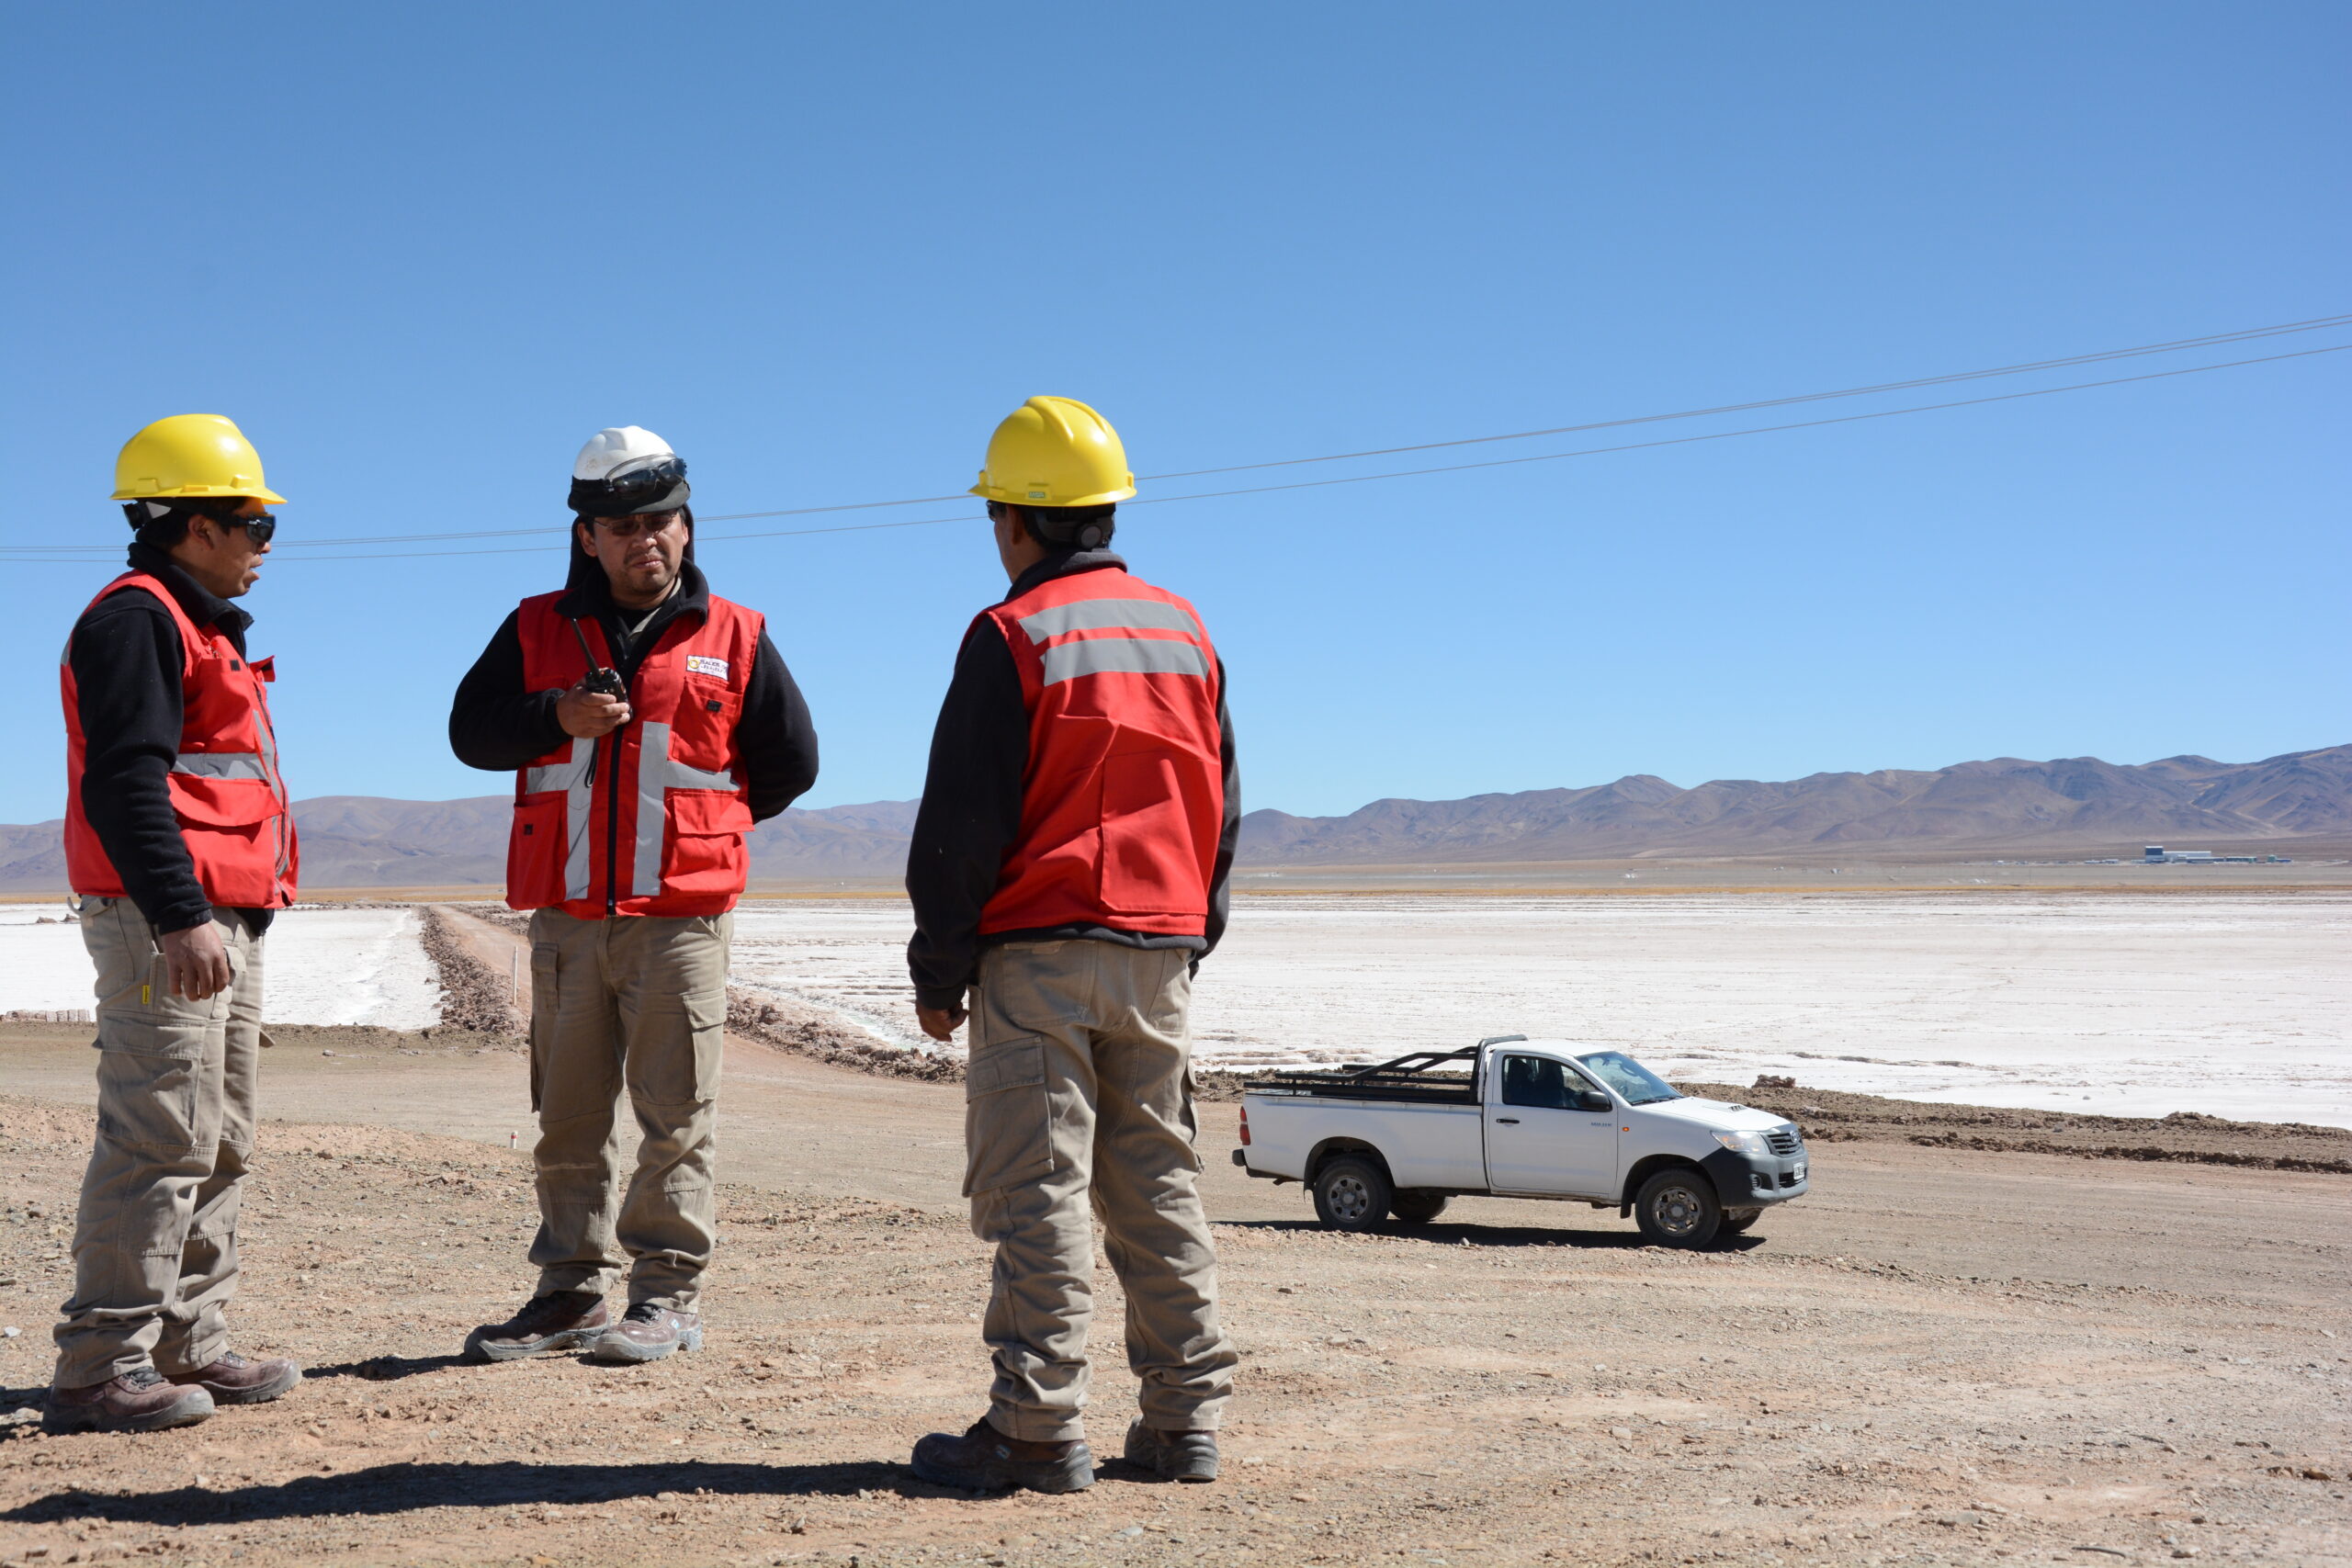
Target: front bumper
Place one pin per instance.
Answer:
(1752, 1181)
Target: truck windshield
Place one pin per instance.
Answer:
(1636, 1083)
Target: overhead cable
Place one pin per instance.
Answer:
(57, 551)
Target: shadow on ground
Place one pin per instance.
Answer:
(1441, 1234)
(403, 1488)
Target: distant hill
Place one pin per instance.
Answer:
(2006, 801)
(356, 840)
(360, 841)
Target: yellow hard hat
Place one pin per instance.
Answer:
(1055, 452)
(189, 454)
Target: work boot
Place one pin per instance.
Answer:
(232, 1380)
(143, 1400)
(648, 1332)
(1172, 1456)
(557, 1320)
(985, 1460)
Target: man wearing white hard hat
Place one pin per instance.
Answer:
(649, 724)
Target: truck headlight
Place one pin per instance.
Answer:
(1742, 1143)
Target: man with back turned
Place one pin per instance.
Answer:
(1068, 872)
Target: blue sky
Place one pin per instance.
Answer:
(421, 252)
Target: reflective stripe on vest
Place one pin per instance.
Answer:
(220, 764)
(577, 779)
(657, 775)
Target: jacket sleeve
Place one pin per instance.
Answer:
(1229, 835)
(774, 736)
(970, 814)
(495, 724)
(127, 659)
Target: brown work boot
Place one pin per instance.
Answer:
(985, 1460)
(1172, 1456)
(648, 1332)
(232, 1380)
(557, 1320)
(143, 1400)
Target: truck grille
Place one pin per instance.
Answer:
(1784, 1141)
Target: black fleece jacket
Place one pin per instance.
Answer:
(495, 724)
(971, 810)
(126, 656)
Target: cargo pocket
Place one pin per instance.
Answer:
(1008, 1130)
(545, 966)
(149, 1082)
(706, 1016)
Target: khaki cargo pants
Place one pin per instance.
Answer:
(155, 1245)
(636, 1003)
(1080, 1085)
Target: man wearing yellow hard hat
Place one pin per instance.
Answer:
(180, 843)
(1068, 872)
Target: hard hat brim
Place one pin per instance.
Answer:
(257, 492)
(1022, 497)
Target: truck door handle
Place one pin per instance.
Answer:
(1508, 1121)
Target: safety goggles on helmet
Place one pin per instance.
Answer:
(657, 487)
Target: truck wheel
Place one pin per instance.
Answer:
(1738, 1220)
(1679, 1208)
(1415, 1207)
(1352, 1194)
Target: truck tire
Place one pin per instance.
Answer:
(1738, 1220)
(1352, 1193)
(1417, 1208)
(1679, 1208)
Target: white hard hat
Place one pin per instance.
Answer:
(618, 449)
(627, 470)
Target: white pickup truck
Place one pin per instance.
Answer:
(1518, 1118)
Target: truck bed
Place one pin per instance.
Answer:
(1420, 1078)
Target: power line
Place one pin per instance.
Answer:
(25, 551)
(2173, 346)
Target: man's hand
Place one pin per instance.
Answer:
(198, 962)
(941, 1023)
(590, 715)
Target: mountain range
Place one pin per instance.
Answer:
(2008, 802)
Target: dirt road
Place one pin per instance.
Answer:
(1943, 1355)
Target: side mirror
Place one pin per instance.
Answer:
(1593, 1099)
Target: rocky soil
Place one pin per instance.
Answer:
(1473, 1393)
(2184, 1136)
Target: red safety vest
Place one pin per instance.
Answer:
(1125, 794)
(650, 820)
(224, 782)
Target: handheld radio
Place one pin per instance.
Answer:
(600, 679)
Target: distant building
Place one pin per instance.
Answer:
(2156, 855)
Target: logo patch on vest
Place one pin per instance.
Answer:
(702, 664)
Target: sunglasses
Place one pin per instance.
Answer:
(260, 530)
(643, 523)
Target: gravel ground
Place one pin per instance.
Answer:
(1456, 1394)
